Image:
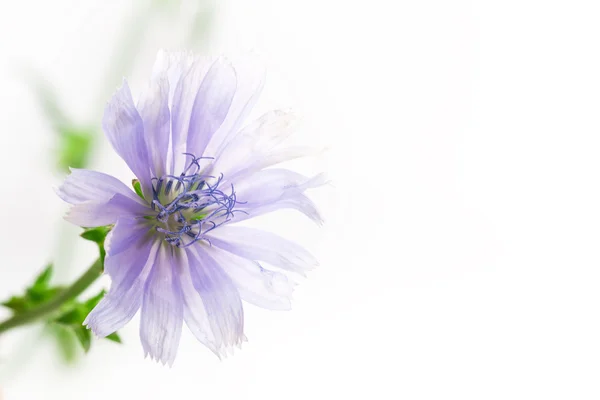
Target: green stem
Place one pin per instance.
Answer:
(43, 310)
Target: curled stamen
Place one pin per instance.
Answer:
(190, 206)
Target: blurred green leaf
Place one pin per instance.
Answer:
(66, 325)
(47, 98)
(74, 147)
(43, 279)
(74, 142)
(66, 342)
(73, 318)
(17, 304)
(114, 337)
(84, 336)
(39, 292)
(93, 301)
(202, 23)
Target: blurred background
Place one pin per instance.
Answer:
(459, 258)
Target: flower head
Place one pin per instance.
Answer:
(173, 251)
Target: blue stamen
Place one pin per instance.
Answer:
(168, 188)
(193, 195)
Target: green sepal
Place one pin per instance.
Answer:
(137, 186)
(97, 234)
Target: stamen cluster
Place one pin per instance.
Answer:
(188, 206)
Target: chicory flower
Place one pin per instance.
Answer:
(173, 251)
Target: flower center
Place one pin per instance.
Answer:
(190, 205)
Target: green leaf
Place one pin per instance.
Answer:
(114, 337)
(98, 235)
(137, 186)
(84, 336)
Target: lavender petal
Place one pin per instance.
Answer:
(92, 213)
(250, 74)
(194, 311)
(84, 185)
(248, 148)
(124, 298)
(256, 285)
(211, 105)
(220, 297)
(162, 309)
(273, 189)
(187, 74)
(154, 111)
(124, 129)
(255, 244)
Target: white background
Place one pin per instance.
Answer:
(460, 255)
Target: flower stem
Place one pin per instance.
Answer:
(43, 310)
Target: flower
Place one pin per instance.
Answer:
(173, 251)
